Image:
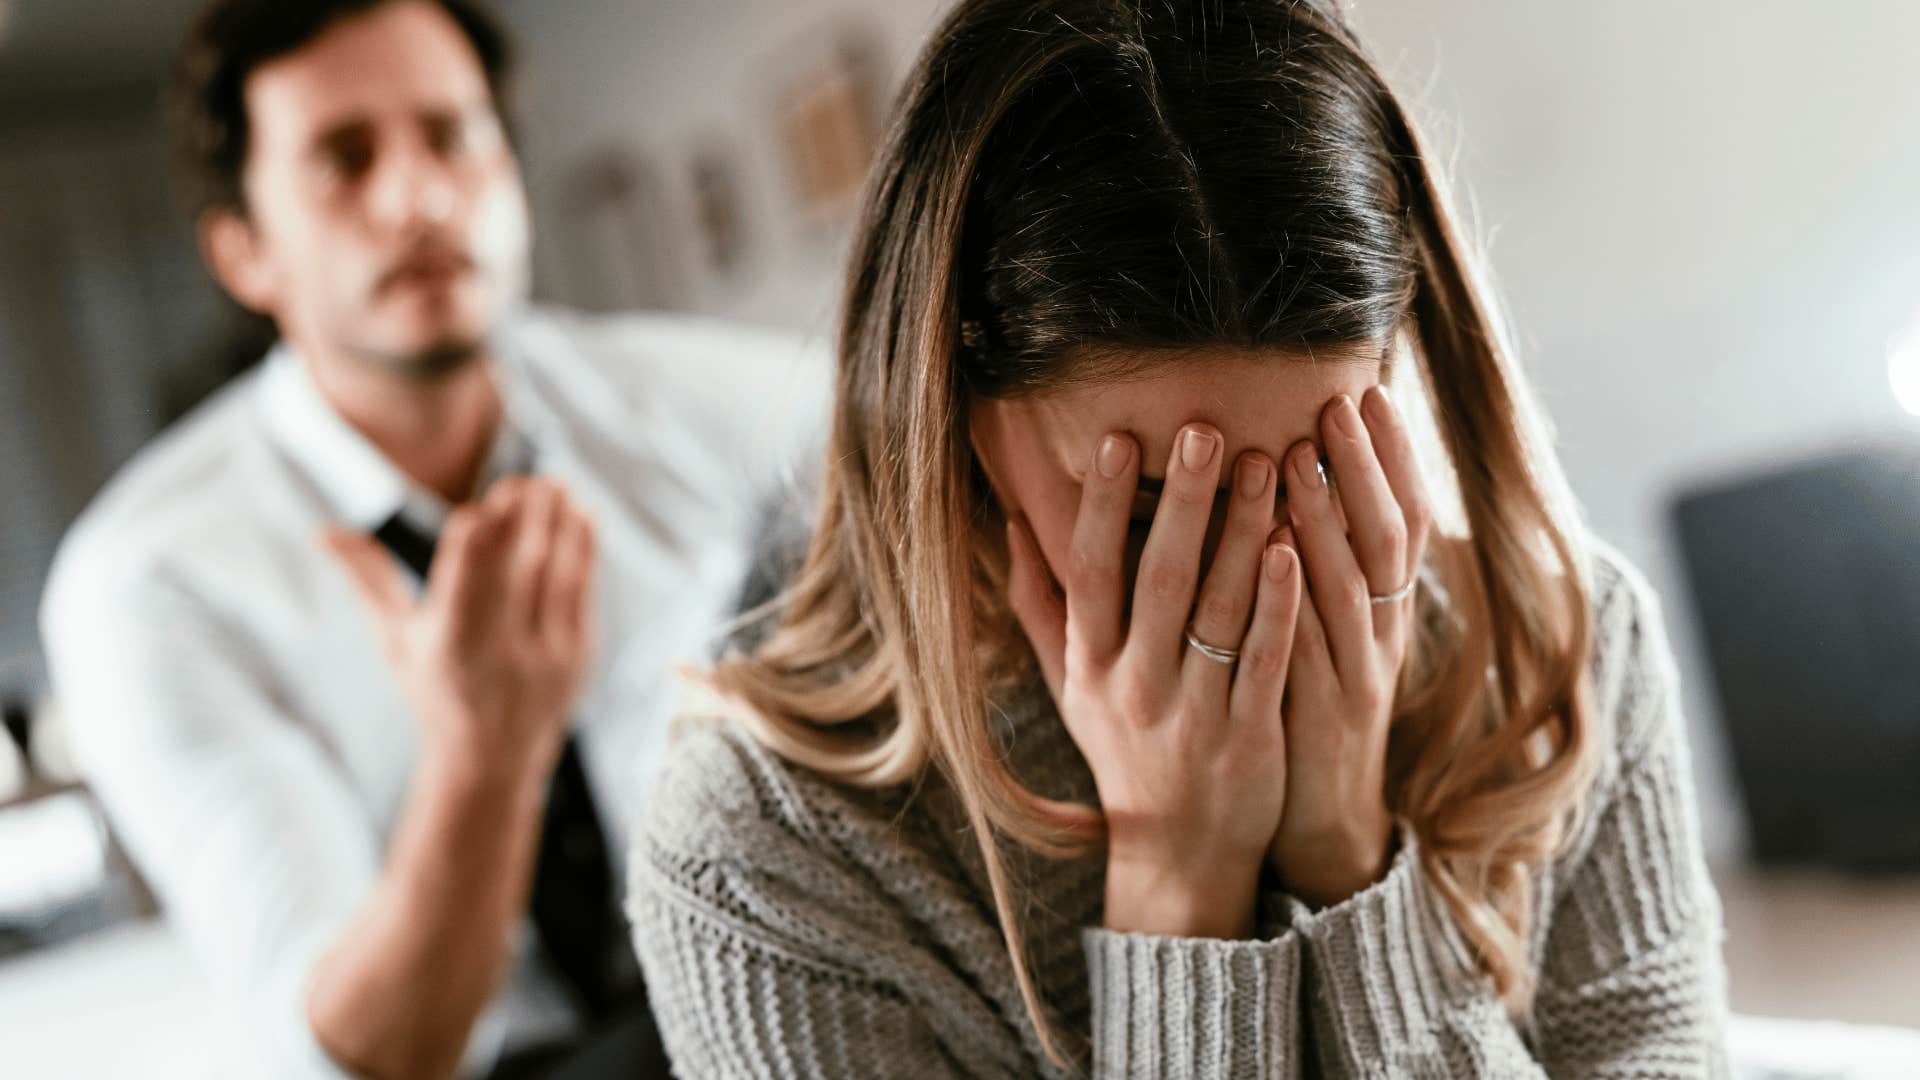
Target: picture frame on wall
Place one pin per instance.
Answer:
(619, 247)
(829, 90)
(718, 205)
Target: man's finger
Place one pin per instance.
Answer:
(569, 578)
(451, 587)
(532, 549)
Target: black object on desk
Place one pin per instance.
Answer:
(1807, 584)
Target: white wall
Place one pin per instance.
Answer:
(1702, 213)
(1704, 221)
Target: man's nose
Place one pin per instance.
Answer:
(414, 188)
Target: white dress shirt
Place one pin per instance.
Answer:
(228, 701)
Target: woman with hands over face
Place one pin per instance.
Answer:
(1176, 698)
(1150, 701)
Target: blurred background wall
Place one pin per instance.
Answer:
(1701, 215)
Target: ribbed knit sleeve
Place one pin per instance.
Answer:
(1193, 1007)
(734, 1003)
(1630, 980)
(765, 955)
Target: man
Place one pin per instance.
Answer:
(368, 658)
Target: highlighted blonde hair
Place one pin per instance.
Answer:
(1159, 176)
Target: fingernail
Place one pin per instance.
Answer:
(1196, 448)
(1112, 457)
(1279, 563)
(1307, 465)
(1253, 477)
(1379, 403)
(1347, 418)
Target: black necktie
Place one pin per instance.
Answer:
(573, 904)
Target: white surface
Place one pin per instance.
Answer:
(56, 852)
(124, 1002)
(1765, 1048)
(1903, 368)
(13, 770)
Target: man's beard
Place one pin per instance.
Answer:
(440, 359)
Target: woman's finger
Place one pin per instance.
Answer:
(1310, 674)
(1037, 604)
(1227, 596)
(1170, 562)
(1338, 590)
(1261, 680)
(1393, 445)
(1096, 563)
(1376, 529)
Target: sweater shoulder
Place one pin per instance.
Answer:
(720, 793)
(725, 802)
(1634, 679)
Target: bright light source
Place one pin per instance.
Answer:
(1903, 369)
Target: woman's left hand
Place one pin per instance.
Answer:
(1335, 835)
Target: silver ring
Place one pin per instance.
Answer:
(1212, 652)
(1399, 593)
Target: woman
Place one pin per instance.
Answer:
(1122, 716)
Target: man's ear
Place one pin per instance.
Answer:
(231, 247)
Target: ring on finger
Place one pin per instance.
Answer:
(1212, 652)
(1400, 593)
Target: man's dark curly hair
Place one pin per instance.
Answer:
(232, 38)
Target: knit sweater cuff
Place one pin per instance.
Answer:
(1387, 963)
(1199, 1007)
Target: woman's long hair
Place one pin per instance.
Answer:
(1078, 181)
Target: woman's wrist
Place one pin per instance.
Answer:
(1155, 898)
(1342, 866)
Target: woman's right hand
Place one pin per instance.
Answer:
(1188, 753)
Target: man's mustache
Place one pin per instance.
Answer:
(425, 260)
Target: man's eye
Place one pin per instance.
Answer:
(464, 135)
(349, 161)
(448, 137)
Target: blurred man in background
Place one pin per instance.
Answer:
(368, 658)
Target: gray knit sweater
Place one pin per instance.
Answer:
(793, 927)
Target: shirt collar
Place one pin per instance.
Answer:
(360, 485)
